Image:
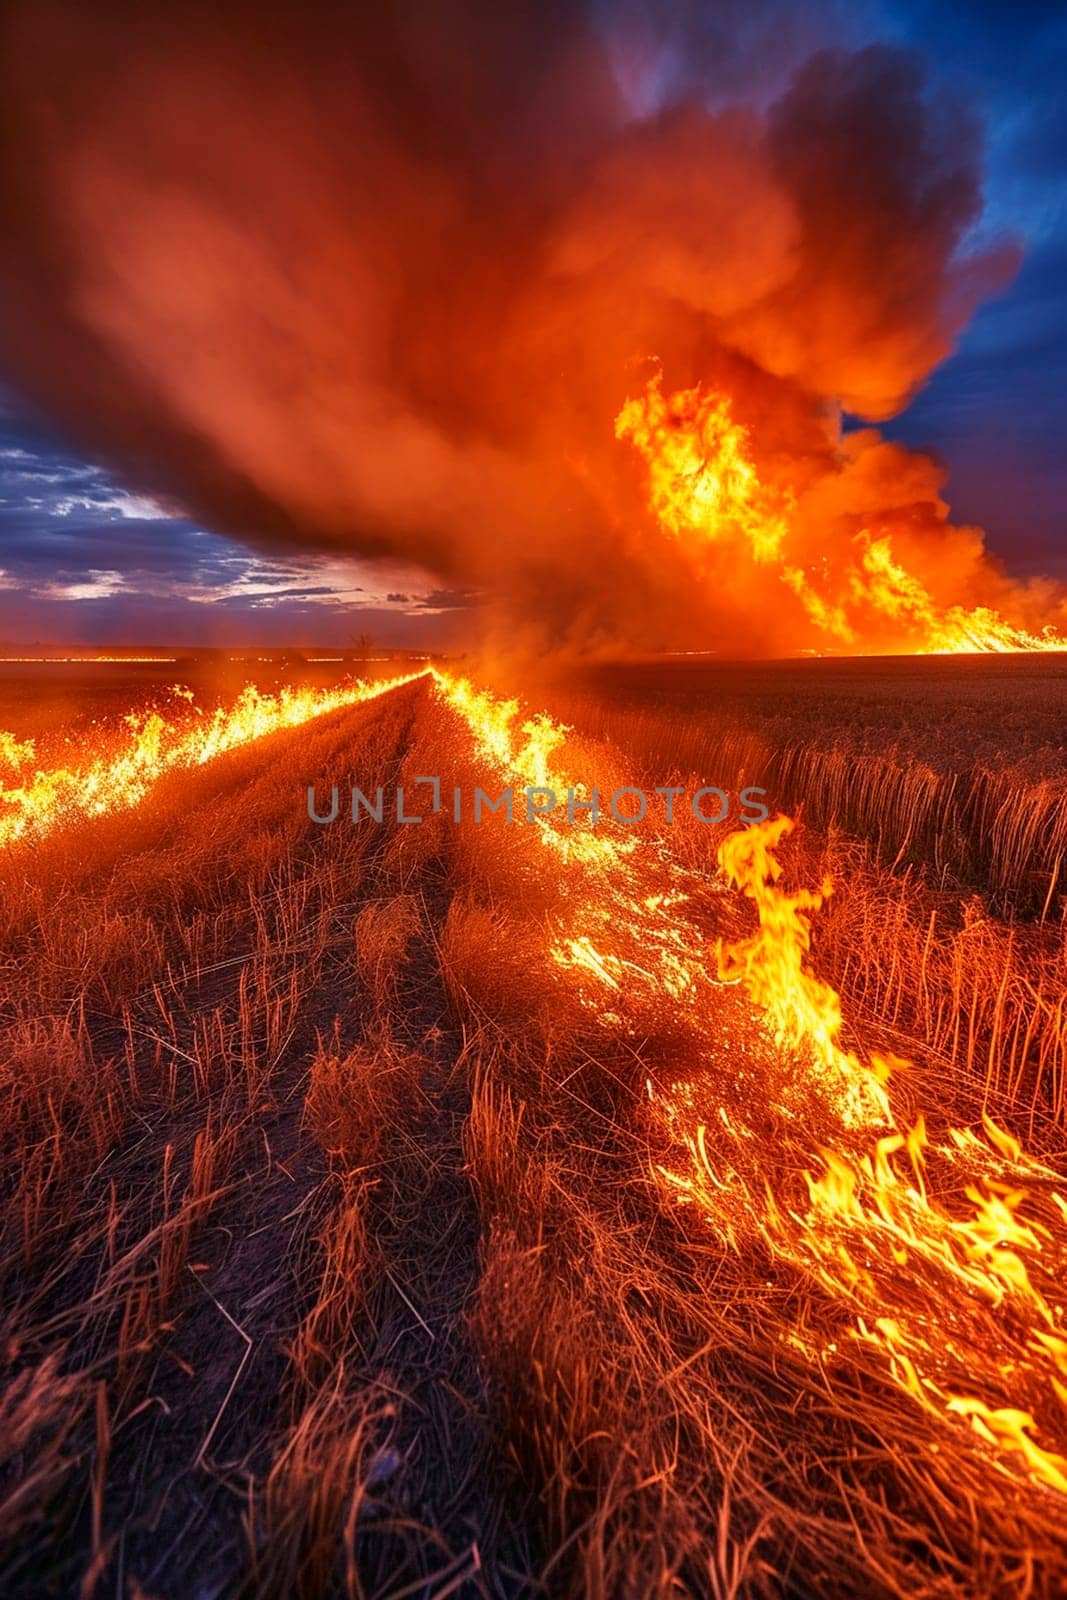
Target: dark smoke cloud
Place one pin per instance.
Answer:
(378, 280)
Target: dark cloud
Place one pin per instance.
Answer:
(449, 600)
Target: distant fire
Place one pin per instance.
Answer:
(704, 490)
(35, 799)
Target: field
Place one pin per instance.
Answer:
(532, 1208)
(956, 764)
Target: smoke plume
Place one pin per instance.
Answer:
(379, 280)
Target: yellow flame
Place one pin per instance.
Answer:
(951, 630)
(703, 488)
(803, 1011)
(1009, 1429)
(44, 798)
(701, 479)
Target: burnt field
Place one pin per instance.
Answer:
(526, 1208)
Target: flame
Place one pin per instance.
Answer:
(876, 1207)
(15, 753)
(701, 480)
(803, 1011)
(1010, 1429)
(490, 720)
(704, 490)
(44, 798)
(942, 1257)
(896, 1244)
(898, 595)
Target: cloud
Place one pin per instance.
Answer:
(448, 600)
(96, 585)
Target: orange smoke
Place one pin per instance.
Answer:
(374, 280)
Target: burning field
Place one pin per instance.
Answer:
(574, 1106)
(516, 1206)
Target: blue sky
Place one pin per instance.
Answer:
(83, 559)
(997, 411)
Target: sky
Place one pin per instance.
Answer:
(996, 412)
(85, 559)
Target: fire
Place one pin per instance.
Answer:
(1010, 1429)
(873, 1215)
(40, 799)
(950, 631)
(938, 1256)
(894, 1242)
(804, 1013)
(704, 489)
(490, 720)
(701, 480)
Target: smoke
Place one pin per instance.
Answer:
(378, 280)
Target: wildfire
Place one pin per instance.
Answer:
(898, 1232)
(704, 489)
(895, 1240)
(39, 799)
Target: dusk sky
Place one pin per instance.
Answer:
(85, 557)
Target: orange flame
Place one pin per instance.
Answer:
(704, 489)
(42, 798)
(878, 1206)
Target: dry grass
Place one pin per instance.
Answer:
(958, 774)
(337, 1251)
